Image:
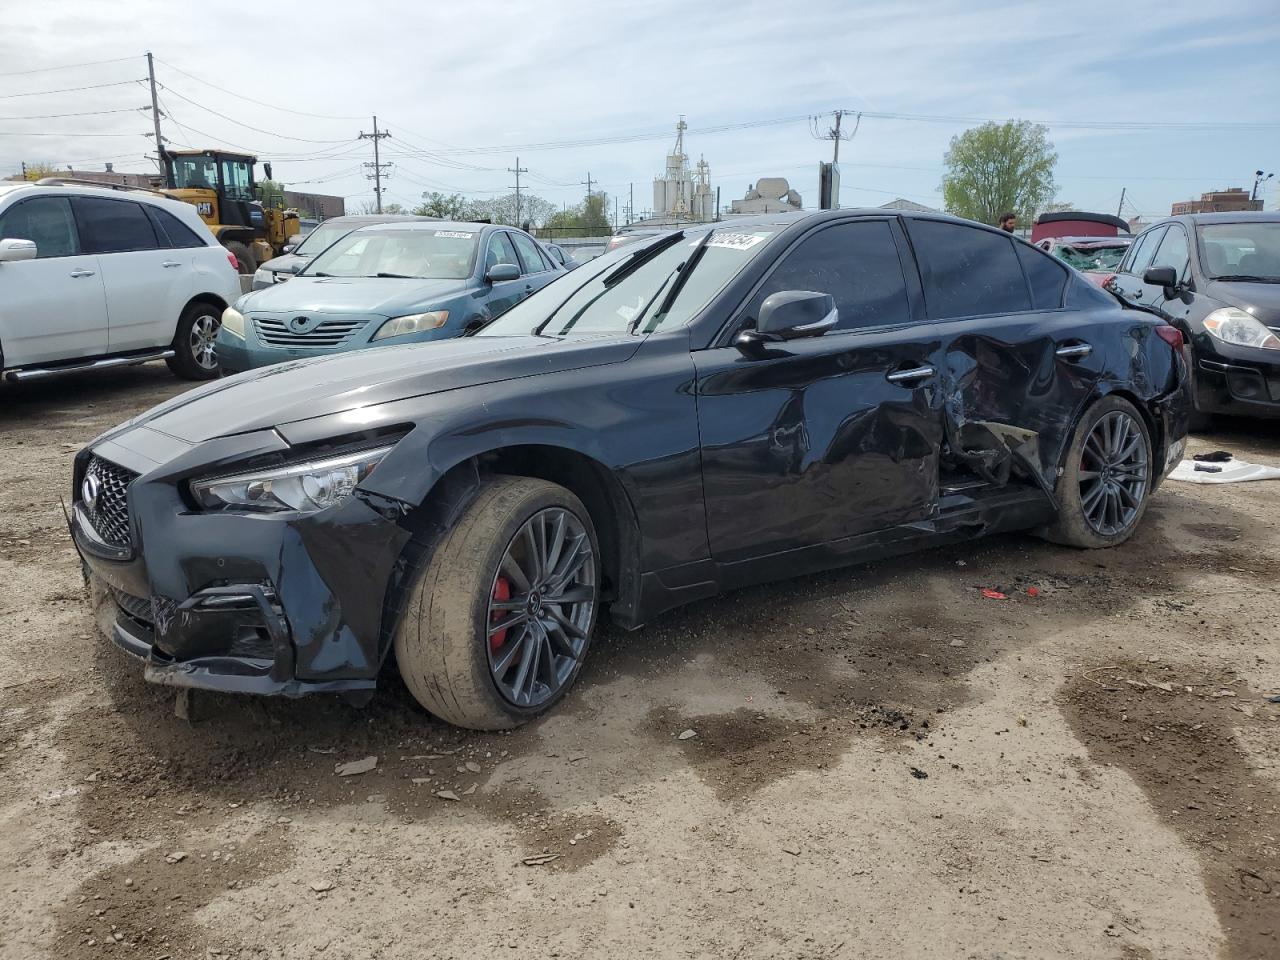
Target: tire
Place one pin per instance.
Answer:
(447, 648)
(244, 256)
(1079, 506)
(194, 355)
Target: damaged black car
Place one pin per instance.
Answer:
(689, 414)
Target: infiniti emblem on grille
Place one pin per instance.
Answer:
(89, 491)
(299, 324)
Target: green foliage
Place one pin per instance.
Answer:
(271, 193)
(999, 167)
(450, 206)
(38, 171)
(588, 219)
(454, 206)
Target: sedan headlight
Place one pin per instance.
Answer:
(300, 487)
(413, 323)
(1233, 325)
(233, 322)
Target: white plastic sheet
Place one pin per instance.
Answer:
(1233, 471)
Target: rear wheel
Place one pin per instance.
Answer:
(195, 354)
(244, 256)
(499, 621)
(1106, 479)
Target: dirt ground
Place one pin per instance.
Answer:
(884, 763)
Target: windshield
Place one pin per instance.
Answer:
(417, 254)
(625, 291)
(1249, 250)
(321, 237)
(1092, 258)
(195, 173)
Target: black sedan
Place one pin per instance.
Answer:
(1216, 277)
(692, 413)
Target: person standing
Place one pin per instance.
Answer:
(1008, 222)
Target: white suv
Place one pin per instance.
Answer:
(95, 277)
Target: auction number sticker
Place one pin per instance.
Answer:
(454, 234)
(737, 241)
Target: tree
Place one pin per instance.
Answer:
(533, 210)
(999, 167)
(588, 219)
(271, 193)
(451, 206)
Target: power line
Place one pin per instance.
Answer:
(240, 123)
(65, 66)
(1079, 124)
(86, 113)
(92, 86)
(260, 103)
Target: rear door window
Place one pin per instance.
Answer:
(857, 263)
(968, 271)
(1047, 277)
(534, 261)
(114, 226)
(47, 222)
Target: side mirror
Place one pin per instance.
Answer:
(296, 267)
(500, 272)
(1161, 277)
(792, 314)
(12, 249)
(266, 168)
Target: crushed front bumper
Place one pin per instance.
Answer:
(238, 603)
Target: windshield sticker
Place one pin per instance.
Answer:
(454, 234)
(737, 241)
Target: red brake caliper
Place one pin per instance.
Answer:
(501, 591)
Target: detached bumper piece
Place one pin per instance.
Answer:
(240, 629)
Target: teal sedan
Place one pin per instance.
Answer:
(386, 284)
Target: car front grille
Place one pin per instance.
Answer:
(108, 512)
(329, 334)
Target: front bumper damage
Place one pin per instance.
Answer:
(271, 605)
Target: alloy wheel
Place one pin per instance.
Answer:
(1113, 473)
(204, 336)
(540, 608)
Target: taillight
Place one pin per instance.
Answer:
(235, 264)
(1170, 335)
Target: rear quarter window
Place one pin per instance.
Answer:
(1046, 276)
(171, 231)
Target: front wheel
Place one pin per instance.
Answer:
(195, 353)
(499, 621)
(1106, 479)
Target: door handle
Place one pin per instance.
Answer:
(82, 273)
(1074, 351)
(911, 376)
(171, 263)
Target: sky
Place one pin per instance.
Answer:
(1163, 99)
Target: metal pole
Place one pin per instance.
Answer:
(836, 137)
(517, 171)
(377, 160)
(161, 160)
(1121, 206)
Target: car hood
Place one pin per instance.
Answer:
(1260, 299)
(286, 263)
(385, 296)
(303, 389)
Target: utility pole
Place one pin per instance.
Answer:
(161, 159)
(517, 171)
(631, 202)
(588, 183)
(377, 164)
(1121, 207)
(835, 136)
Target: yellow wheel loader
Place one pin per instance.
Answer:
(221, 186)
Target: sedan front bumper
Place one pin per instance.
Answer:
(241, 603)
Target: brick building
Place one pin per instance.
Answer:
(1218, 201)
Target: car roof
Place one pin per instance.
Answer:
(1236, 216)
(85, 188)
(364, 219)
(422, 223)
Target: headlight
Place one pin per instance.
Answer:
(300, 487)
(233, 322)
(413, 323)
(1233, 325)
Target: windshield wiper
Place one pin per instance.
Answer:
(395, 276)
(1248, 278)
(678, 280)
(317, 274)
